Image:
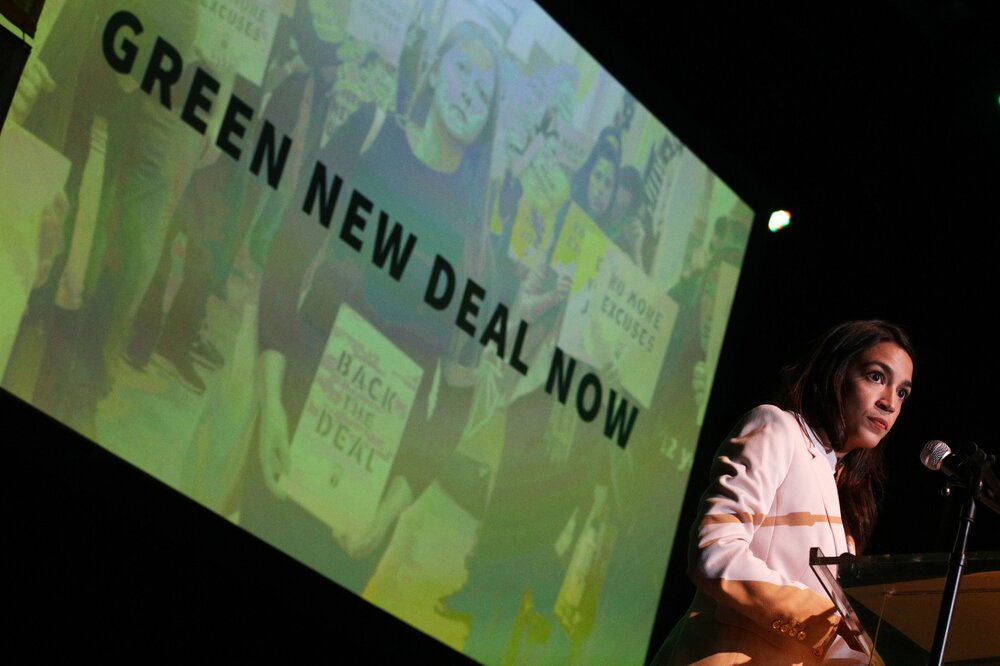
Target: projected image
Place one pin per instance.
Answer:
(415, 291)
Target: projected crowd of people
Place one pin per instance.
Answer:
(414, 291)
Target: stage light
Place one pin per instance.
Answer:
(779, 220)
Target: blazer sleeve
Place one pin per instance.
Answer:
(750, 467)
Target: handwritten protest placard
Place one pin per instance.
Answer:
(238, 34)
(618, 318)
(352, 424)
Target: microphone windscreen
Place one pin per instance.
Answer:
(934, 452)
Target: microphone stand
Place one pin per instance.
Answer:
(974, 484)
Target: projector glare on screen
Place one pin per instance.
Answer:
(414, 291)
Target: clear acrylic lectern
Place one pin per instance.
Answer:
(891, 604)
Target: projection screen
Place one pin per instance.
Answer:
(413, 290)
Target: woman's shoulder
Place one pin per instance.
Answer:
(766, 440)
(768, 423)
(770, 415)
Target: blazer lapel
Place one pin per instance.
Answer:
(820, 466)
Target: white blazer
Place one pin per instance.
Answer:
(772, 497)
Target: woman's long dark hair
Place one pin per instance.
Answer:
(816, 389)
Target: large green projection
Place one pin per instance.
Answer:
(415, 291)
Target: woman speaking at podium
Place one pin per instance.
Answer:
(784, 480)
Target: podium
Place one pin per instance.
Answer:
(891, 603)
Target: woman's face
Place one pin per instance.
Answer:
(463, 90)
(601, 185)
(878, 382)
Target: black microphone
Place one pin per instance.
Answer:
(938, 456)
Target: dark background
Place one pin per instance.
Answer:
(875, 123)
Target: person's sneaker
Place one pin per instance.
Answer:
(207, 354)
(179, 365)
